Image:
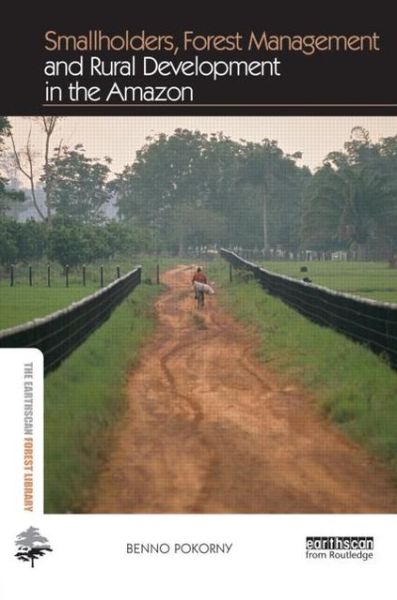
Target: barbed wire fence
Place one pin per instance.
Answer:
(59, 334)
(366, 321)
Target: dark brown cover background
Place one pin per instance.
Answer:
(356, 78)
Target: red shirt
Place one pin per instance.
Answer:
(200, 277)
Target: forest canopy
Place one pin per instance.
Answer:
(188, 190)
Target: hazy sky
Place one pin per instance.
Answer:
(121, 137)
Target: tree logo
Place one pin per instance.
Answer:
(31, 545)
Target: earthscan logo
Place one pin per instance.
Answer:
(340, 548)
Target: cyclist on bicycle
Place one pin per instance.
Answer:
(199, 278)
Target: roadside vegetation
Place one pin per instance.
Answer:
(348, 383)
(85, 396)
(20, 305)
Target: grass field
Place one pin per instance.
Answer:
(18, 305)
(22, 303)
(350, 384)
(369, 279)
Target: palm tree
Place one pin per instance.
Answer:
(348, 204)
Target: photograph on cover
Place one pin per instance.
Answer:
(216, 302)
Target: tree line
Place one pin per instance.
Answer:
(351, 201)
(190, 189)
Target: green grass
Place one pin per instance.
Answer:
(22, 303)
(18, 305)
(350, 384)
(369, 279)
(85, 396)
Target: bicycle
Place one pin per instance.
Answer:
(200, 299)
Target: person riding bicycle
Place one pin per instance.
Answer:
(199, 278)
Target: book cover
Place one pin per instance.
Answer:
(198, 293)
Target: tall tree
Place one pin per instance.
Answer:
(49, 124)
(279, 182)
(25, 163)
(78, 186)
(164, 173)
(352, 201)
(221, 194)
(167, 189)
(6, 195)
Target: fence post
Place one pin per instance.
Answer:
(67, 275)
(158, 274)
(30, 276)
(84, 275)
(118, 272)
(49, 275)
(12, 275)
(101, 274)
(230, 272)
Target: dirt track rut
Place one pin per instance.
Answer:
(209, 429)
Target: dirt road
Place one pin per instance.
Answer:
(209, 430)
